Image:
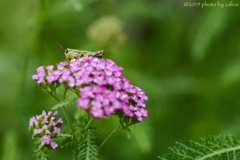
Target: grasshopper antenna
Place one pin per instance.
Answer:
(60, 45)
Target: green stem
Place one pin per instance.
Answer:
(54, 96)
(74, 92)
(65, 92)
(110, 135)
(65, 111)
(88, 145)
(66, 116)
(71, 128)
(123, 127)
(117, 129)
(42, 155)
(89, 123)
(69, 122)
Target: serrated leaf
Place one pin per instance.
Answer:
(87, 149)
(211, 147)
(63, 140)
(41, 154)
(62, 103)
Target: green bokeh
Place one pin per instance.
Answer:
(186, 59)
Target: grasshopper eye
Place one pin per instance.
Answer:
(66, 50)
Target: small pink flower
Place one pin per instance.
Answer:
(138, 113)
(59, 121)
(140, 119)
(37, 131)
(45, 120)
(57, 129)
(40, 69)
(32, 121)
(40, 80)
(52, 123)
(97, 112)
(35, 76)
(45, 140)
(55, 113)
(50, 78)
(53, 144)
(49, 68)
(108, 110)
(144, 112)
(84, 103)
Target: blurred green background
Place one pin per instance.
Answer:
(186, 59)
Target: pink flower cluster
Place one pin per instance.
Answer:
(101, 87)
(44, 127)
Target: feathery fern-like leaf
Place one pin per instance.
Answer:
(41, 155)
(64, 140)
(87, 146)
(208, 148)
(62, 103)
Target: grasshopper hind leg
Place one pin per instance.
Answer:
(80, 55)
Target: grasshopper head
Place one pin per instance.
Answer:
(66, 52)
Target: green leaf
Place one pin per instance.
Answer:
(211, 147)
(62, 103)
(64, 140)
(41, 154)
(211, 24)
(87, 148)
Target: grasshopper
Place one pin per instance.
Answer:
(72, 54)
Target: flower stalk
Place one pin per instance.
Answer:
(110, 135)
(89, 123)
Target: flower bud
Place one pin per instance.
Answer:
(43, 128)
